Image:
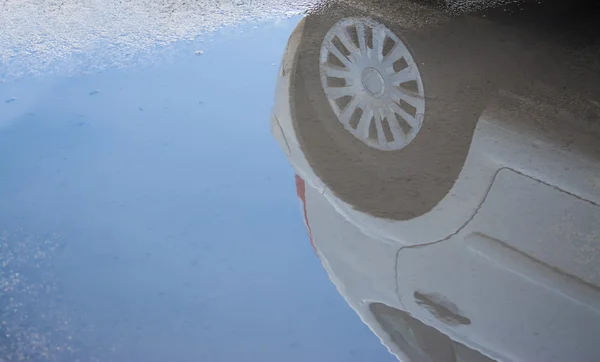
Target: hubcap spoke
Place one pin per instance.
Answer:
(364, 124)
(398, 95)
(402, 76)
(378, 39)
(337, 72)
(348, 111)
(338, 54)
(379, 126)
(339, 92)
(362, 40)
(410, 120)
(397, 132)
(345, 39)
(398, 52)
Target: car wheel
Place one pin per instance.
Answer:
(384, 113)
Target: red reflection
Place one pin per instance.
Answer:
(301, 191)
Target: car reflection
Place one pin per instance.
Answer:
(449, 169)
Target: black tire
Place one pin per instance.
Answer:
(453, 59)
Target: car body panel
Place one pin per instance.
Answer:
(362, 269)
(506, 264)
(512, 272)
(516, 308)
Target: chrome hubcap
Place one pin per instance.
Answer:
(372, 83)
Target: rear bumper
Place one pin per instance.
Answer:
(282, 124)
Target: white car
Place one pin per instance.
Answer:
(453, 171)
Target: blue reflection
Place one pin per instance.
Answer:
(174, 214)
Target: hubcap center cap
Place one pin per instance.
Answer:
(373, 82)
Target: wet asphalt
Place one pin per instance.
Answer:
(146, 211)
